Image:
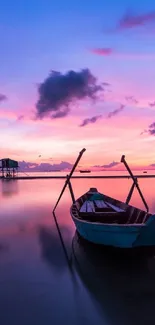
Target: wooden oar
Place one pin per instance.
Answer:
(135, 183)
(69, 176)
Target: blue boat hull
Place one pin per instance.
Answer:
(122, 236)
(147, 234)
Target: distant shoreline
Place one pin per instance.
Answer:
(78, 177)
(78, 171)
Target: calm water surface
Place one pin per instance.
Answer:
(37, 286)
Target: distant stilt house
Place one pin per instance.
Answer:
(8, 168)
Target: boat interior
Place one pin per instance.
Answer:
(96, 207)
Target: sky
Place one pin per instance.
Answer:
(77, 74)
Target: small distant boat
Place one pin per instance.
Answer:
(145, 172)
(85, 171)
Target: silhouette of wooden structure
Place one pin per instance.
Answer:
(8, 168)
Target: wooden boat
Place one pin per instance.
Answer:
(145, 172)
(85, 171)
(103, 220)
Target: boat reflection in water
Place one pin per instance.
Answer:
(121, 286)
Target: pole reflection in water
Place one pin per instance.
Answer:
(50, 247)
(121, 286)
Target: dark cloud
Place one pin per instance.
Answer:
(43, 167)
(116, 111)
(150, 130)
(61, 113)
(152, 165)
(130, 20)
(152, 104)
(152, 125)
(90, 120)
(102, 51)
(2, 98)
(131, 99)
(58, 91)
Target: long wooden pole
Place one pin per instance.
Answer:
(135, 182)
(130, 194)
(69, 176)
(71, 191)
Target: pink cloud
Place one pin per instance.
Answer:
(31, 166)
(121, 55)
(150, 130)
(2, 97)
(152, 104)
(20, 117)
(90, 120)
(102, 51)
(116, 111)
(130, 20)
(110, 165)
(131, 100)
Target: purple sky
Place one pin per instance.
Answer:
(102, 96)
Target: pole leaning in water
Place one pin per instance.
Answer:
(70, 175)
(135, 184)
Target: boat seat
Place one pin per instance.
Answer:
(83, 207)
(106, 206)
(104, 217)
(100, 211)
(117, 209)
(96, 206)
(100, 204)
(87, 206)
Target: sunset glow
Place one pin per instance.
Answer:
(79, 76)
